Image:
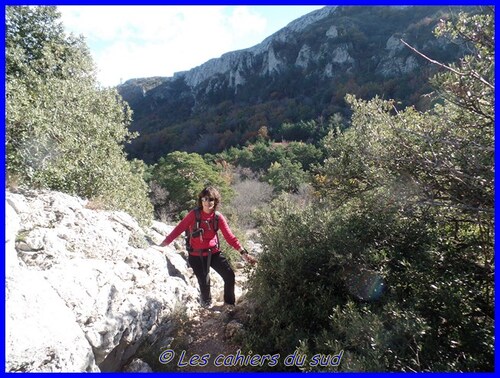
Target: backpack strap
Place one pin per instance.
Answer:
(216, 228)
(189, 232)
(216, 221)
(213, 225)
(197, 214)
(197, 226)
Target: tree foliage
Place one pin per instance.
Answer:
(393, 263)
(285, 176)
(183, 176)
(63, 131)
(259, 156)
(215, 115)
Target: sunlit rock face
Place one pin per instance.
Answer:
(84, 287)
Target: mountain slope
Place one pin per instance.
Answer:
(302, 72)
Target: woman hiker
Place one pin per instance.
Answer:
(201, 225)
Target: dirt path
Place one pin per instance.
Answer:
(209, 342)
(213, 337)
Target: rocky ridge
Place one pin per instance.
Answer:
(235, 63)
(85, 288)
(301, 72)
(331, 56)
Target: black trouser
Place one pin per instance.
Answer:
(220, 264)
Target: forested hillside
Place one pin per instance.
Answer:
(297, 74)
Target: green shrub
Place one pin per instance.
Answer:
(393, 263)
(183, 176)
(64, 132)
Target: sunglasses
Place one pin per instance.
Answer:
(207, 199)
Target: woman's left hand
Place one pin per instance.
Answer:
(249, 259)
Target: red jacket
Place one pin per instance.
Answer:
(209, 238)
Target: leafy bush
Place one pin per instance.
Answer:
(393, 263)
(285, 176)
(317, 259)
(183, 176)
(63, 131)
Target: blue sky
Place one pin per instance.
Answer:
(142, 41)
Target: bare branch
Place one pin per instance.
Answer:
(474, 74)
(459, 207)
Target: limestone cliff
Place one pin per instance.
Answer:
(84, 288)
(301, 72)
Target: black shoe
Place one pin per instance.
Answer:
(229, 308)
(205, 304)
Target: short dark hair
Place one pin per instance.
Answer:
(210, 192)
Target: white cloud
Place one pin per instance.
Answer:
(141, 41)
(244, 23)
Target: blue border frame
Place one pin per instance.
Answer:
(226, 2)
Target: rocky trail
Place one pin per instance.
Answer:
(85, 291)
(208, 339)
(212, 331)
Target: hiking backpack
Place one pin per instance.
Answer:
(197, 231)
